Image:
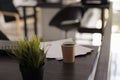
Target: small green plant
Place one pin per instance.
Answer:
(29, 53)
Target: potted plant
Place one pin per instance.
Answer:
(31, 58)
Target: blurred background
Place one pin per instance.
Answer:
(47, 33)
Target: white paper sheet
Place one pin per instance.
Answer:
(55, 51)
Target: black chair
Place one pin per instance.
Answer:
(70, 18)
(100, 4)
(7, 6)
(67, 19)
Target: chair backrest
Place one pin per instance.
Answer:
(94, 2)
(8, 6)
(66, 14)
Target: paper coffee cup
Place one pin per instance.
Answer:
(68, 52)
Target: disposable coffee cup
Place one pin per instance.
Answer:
(68, 52)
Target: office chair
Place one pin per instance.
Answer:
(67, 19)
(10, 13)
(100, 4)
(71, 17)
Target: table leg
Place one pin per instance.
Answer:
(25, 21)
(102, 18)
(35, 22)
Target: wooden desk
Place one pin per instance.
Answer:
(103, 69)
(53, 69)
(80, 70)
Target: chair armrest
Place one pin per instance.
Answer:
(10, 14)
(17, 18)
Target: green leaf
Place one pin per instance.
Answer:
(28, 52)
